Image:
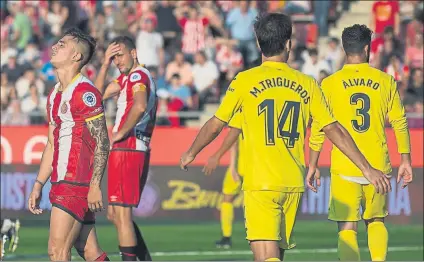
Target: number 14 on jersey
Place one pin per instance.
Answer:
(286, 121)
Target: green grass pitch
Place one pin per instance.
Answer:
(316, 241)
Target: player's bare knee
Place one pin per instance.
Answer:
(228, 199)
(57, 250)
(263, 250)
(124, 217)
(348, 225)
(111, 214)
(372, 220)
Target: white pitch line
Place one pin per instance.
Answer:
(233, 252)
(248, 252)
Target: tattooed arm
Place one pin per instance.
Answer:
(98, 131)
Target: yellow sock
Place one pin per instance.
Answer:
(227, 216)
(378, 239)
(348, 246)
(272, 259)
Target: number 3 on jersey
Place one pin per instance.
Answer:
(288, 120)
(362, 112)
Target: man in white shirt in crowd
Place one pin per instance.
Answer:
(150, 46)
(313, 66)
(205, 76)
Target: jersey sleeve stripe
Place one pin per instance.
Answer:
(94, 117)
(219, 119)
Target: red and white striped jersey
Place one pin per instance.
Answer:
(68, 111)
(139, 138)
(194, 34)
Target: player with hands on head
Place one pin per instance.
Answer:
(130, 154)
(277, 103)
(361, 98)
(75, 155)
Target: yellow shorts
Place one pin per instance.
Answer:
(229, 186)
(346, 199)
(271, 215)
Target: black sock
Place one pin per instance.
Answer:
(282, 251)
(142, 251)
(128, 253)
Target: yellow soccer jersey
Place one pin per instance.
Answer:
(241, 163)
(360, 98)
(276, 103)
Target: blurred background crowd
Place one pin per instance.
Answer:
(195, 48)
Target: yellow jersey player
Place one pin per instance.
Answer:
(276, 104)
(231, 186)
(361, 98)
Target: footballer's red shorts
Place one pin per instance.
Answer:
(73, 200)
(127, 175)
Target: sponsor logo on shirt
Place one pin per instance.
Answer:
(89, 99)
(135, 77)
(64, 108)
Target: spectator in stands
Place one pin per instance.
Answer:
(13, 116)
(415, 27)
(30, 54)
(378, 43)
(181, 67)
(12, 68)
(112, 25)
(195, 30)
(334, 54)
(297, 7)
(179, 99)
(297, 54)
(321, 11)
(178, 91)
(414, 53)
(149, 44)
(99, 28)
(397, 70)
(6, 51)
(384, 14)
(414, 95)
(205, 76)
(54, 18)
(168, 25)
(230, 62)
(5, 90)
(313, 66)
(22, 30)
(240, 23)
(35, 103)
(213, 14)
(384, 54)
(26, 81)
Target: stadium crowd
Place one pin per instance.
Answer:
(194, 48)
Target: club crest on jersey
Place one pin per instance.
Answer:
(89, 99)
(135, 77)
(64, 108)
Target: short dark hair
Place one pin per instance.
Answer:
(273, 30)
(176, 75)
(127, 41)
(82, 38)
(355, 38)
(313, 52)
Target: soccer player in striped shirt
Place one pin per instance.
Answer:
(76, 153)
(361, 98)
(129, 158)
